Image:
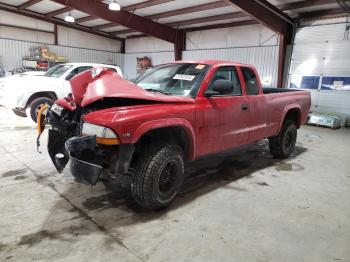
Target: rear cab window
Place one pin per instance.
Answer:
(251, 81)
(227, 73)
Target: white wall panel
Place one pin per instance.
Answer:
(265, 59)
(20, 20)
(242, 36)
(147, 44)
(12, 51)
(75, 38)
(26, 35)
(130, 61)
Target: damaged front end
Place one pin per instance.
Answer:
(94, 151)
(65, 124)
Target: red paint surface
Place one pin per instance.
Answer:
(212, 124)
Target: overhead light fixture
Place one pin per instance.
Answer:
(114, 6)
(69, 18)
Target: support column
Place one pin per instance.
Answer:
(55, 33)
(180, 44)
(281, 59)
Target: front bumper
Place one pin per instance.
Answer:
(85, 171)
(88, 160)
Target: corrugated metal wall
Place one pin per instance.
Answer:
(323, 50)
(12, 51)
(265, 59)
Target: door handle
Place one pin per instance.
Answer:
(244, 106)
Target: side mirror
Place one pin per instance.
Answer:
(220, 87)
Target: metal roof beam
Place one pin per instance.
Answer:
(268, 15)
(282, 7)
(59, 11)
(123, 18)
(85, 19)
(57, 21)
(189, 10)
(145, 4)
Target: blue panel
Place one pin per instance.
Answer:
(309, 82)
(335, 83)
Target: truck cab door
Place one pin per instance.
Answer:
(257, 105)
(222, 120)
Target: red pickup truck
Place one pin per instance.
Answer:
(142, 133)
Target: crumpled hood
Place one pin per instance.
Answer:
(86, 89)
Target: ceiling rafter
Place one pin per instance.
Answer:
(59, 11)
(189, 10)
(103, 26)
(145, 4)
(56, 21)
(85, 19)
(282, 7)
(124, 18)
(267, 14)
(28, 4)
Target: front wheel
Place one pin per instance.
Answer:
(34, 107)
(159, 177)
(282, 145)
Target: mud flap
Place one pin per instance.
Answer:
(56, 149)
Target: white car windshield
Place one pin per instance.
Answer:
(57, 71)
(173, 79)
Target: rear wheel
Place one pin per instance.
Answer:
(159, 177)
(282, 145)
(34, 107)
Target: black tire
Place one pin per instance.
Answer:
(19, 112)
(158, 178)
(282, 145)
(32, 109)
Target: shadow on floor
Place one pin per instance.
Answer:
(202, 177)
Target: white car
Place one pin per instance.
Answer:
(26, 93)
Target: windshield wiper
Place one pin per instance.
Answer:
(159, 91)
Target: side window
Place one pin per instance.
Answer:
(77, 70)
(251, 81)
(227, 73)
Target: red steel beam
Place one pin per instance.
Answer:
(103, 26)
(268, 15)
(59, 11)
(123, 18)
(85, 19)
(282, 7)
(219, 26)
(189, 10)
(28, 4)
(145, 4)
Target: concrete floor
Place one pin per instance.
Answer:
(239, 206)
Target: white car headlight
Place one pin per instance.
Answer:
(104, 135)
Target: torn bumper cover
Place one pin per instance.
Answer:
(80, 169)
(88, 161)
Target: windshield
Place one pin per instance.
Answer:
(57, 71)
(173, 79)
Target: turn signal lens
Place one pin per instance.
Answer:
(104, 135)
